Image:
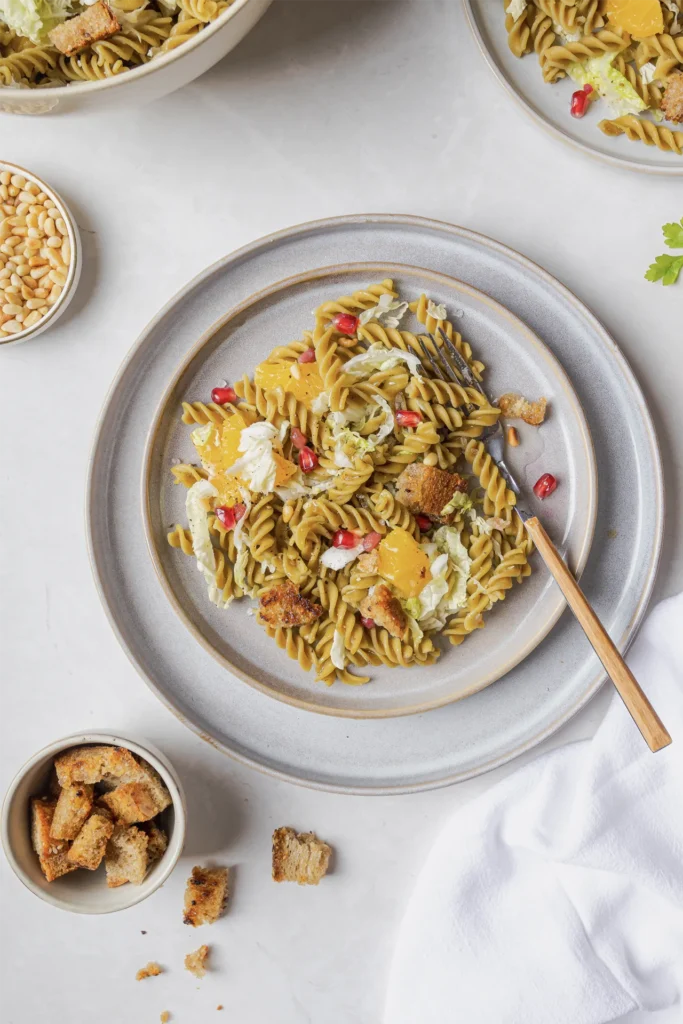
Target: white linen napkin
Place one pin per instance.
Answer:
(557, 897)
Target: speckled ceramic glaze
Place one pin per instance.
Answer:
(516, 358)
(549, 105)
(418, 751)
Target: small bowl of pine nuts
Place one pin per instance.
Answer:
(40, 255)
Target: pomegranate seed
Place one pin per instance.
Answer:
(368, 623)
(545, 485)
(406, 418)
(580, 101)
(308, 460)
(424, 522)
(371, 540)
(221, 396)
(345, 323)
(299, 440)
(229, 515)
(308, 356)
(345, 539)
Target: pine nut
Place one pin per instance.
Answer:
(430, 459)
(513, 437)
(12, 327)
(32, 319)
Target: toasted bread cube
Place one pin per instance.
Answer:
(195, 962)
(151, 779)
(205, 895)
(126, 856)
(97, 22)
(130, 802)
(72, 810)
(150, 970)
(516, 407)
(89, 846)
(52, 853)
(385, 609)
(158, 842)
(426, 490)
(282, 605)
(369, 562)
(299, 857)
(93, 764)
(672, 100)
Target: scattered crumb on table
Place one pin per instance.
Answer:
(612, 533)
(165, 1017)
(195, 962)
(220, 1006)
(150, 971)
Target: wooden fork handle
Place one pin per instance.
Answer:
(640, 709)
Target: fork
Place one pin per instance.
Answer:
(448, 364)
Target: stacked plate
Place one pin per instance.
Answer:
(531, 668)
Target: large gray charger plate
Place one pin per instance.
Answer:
(420, 751)
(548, 105)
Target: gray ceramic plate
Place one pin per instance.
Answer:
(398, 754)
(517, 360)
(548, 105)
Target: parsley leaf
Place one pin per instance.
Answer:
(673, 234)
(665, 269)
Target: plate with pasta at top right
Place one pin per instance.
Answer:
(321, 510)
(603, 75)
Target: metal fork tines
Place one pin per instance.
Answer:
(459, 371)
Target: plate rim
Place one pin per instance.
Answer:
(624, 163)
(273, 289)
(414, 221)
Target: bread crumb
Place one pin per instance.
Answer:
(516, 407)
(195, 962)
(150, 971)
(220, 1006)
(165, 1017)
(299, 857)
(205, 895)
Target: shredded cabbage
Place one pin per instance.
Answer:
(609, 83)
(387, 304)
(198, 523)
(338, 651)
(647, 72)
(438, 312)
(447, 540)
(377, 357)
(34, 18)
(239, 541)
(460, 501)
(516, 8)
(338, 558)
(257, 467)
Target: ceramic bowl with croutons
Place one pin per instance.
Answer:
(94, 822)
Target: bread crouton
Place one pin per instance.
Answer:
(205, 895)
(284, 606)
(93, 764)
(72, 810)
(426, 490)
(52, 853)
(195, 962)
(672, 100)
(126, 856)
(111, 764)
(369, 562)
(516, 407)
(96, 22)
(158, 841)
(385, 609)
(130, 802)
(151, 970)
(299, 857)
(89, 846)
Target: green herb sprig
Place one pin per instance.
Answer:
(666, 268)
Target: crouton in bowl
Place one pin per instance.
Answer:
(94, 822)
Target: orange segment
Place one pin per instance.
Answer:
(403, 563)
(640, 18)
(221, 448)
(285, 469)
(228, 488)
(305, 387)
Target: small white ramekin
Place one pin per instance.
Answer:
(74, 271)
(85, 892)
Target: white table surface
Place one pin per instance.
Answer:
(327, 108)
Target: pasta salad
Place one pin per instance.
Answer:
(345, 488)
(625, 55)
